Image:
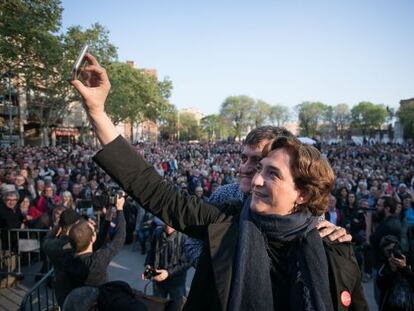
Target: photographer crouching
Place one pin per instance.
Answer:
(395, 277)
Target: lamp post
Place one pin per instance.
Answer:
(10, 106)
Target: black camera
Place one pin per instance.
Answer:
(149, 273)
(106, 196)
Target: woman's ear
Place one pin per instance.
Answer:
(303, 197)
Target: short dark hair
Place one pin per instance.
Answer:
(80, 236)
(268, 132)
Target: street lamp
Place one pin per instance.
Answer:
(10, 106)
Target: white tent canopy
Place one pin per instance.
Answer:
(307, 140)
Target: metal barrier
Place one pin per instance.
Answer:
(20, 241)
(40, 297)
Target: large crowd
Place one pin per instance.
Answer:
(373, 195)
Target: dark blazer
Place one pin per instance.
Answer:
(219, 228)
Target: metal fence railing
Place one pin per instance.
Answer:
(16, 243)
(41, 297)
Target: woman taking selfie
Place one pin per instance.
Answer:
(267, 255)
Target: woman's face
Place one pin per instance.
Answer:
(344, 193)
(351, 198)
(24, 205)
(66, 198)
(19, 181)
(273, 188)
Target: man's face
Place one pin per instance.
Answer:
(332, 202)
(250, 157)
(19, 181)
(49, 192)
(11, 201)
(199, 193)
(273, 188)
(76, 189)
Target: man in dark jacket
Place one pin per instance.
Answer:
(167, 257)
(89, 266)
(56, 246)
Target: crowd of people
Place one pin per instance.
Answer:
(372, 198)
(267, 213)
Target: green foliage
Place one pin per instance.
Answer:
(237, 111)
(278, 115)
(338, 119)
(189, 127)
(42, 60)
(97, 37)
(368, 117)
(211, 126)
(27, 41)
(260, 112)
(168, 122)
(310, 116)
(406, 117)
(136, 95)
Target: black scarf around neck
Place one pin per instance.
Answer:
(251, 287)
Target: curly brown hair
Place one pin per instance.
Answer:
(311, 172)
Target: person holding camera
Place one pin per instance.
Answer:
(166, 263)
(395, 277)
(56, 245)
(89, 264)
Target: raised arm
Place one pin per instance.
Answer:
(137, 177)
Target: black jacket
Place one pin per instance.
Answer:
(167, 252)
(219, 228)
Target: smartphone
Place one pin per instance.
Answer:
(78, 63)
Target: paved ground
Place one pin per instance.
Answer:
(127, 266)
(129, 263)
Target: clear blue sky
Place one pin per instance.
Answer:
(282, 52)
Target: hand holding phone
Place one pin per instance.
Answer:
(78, 63)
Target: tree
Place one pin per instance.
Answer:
(406, 116)
(168, 121)
(260, 112)
(189, 128)
(50, 104)
(237, 111)
(135, 95)
(368, 117)
(310, 116)
(40, 60)
(341, 117)
(211, 125)
(29, 50)
(279, 115)
(124, 101)
(27, 40)
(97, 38)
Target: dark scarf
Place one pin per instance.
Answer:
(252, 285)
